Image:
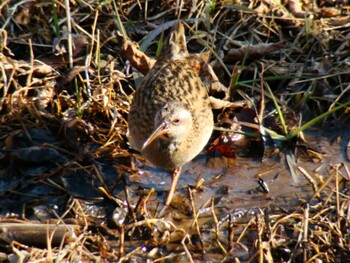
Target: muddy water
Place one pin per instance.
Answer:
(233, 182)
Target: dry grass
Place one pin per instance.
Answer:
(63, 109)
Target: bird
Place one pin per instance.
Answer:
(170, 119)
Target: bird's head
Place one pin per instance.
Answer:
(172, 123)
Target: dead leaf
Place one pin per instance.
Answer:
(37, 155)
(217, 104)
(137, 58)
(254, 52)
(60, 45)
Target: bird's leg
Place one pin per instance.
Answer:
(174, 179)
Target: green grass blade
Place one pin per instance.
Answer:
(317, 119)
(278, 108)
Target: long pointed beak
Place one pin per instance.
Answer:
(160, 130)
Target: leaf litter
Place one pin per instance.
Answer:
(69, 179)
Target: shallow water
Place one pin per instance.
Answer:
(233, 182)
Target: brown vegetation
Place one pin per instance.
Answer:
(67, 76)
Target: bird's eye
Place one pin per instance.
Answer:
(176, 121)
